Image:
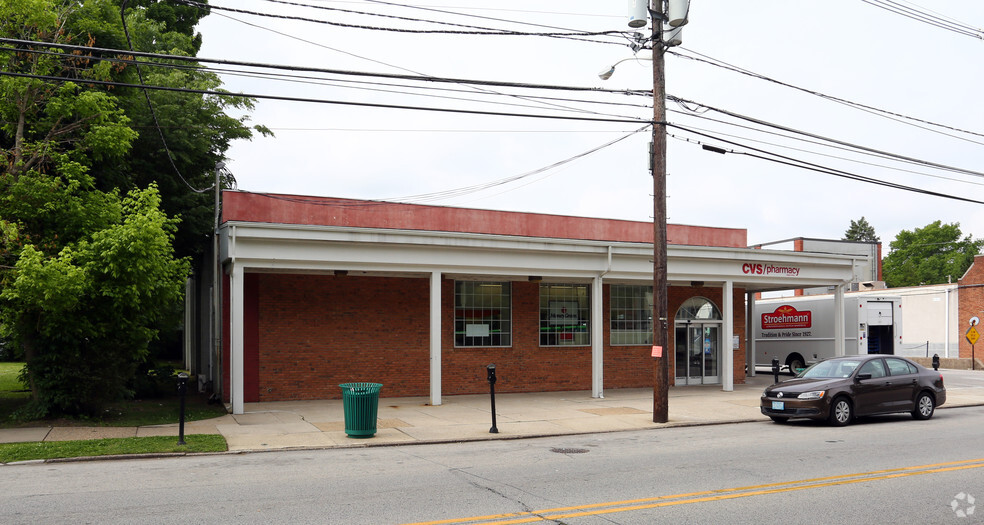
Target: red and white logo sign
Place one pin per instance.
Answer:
(785, 317)
(769, 269)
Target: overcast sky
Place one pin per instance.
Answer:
(847, 49)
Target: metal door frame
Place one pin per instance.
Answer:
(701, 379)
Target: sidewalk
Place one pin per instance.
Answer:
(404, 420)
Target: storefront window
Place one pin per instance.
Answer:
(631, 312)
(482, 313)
(565, 315)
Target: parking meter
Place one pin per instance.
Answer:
(775, 368)
(182, 390)
(491, 376)
(936, 362)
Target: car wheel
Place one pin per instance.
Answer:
(794, 364)
(841, 412)
(779, 419)
(925, 406)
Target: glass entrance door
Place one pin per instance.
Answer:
(697, 353)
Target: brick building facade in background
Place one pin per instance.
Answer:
(971, 290)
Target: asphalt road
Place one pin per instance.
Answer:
(890, 469)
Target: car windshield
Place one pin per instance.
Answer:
(832, 368)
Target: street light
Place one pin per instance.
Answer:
(606, 74)
(675, 16)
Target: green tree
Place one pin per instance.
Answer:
(183, 135)
(85, 316)
(929, 255)
(860, 231)
(87, 278)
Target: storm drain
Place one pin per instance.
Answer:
(569, 450)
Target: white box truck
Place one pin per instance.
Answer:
(799, 331)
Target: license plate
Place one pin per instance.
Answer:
(778, 405)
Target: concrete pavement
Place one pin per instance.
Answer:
(404, 420)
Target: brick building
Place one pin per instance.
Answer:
(971, 300)
(321, 291)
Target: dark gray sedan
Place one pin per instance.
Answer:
(843, 388)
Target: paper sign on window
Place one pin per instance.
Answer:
(476, 330)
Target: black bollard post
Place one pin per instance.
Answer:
(775, 369)
(182, 390)
(491, 373)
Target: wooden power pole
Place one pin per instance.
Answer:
(661, 352)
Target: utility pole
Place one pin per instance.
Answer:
(660, 323)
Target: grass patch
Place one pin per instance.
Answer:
(10, 452)
(8, 377)
(128, 413)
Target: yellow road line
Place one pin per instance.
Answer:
(708, 495)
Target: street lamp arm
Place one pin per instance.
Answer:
(606, 74)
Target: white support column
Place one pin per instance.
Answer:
(597, 339)
(750, 333)
(236, 331)
(728, 363)
(435, 338)
(839, 333)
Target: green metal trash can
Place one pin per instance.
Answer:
(361, 404)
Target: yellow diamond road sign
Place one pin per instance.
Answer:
(973, 335)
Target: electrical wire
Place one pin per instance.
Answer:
(466, 190)
(804, 140)
(285, 67)
(832, 140)
(905, 119)
(325, 101)
(846, 159)
(927, 18)
(294, 37)
(797, 163)
(498, 32)
(153, 112)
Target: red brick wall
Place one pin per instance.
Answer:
(971, 304)
(316, 331)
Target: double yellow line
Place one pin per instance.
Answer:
(612, 507)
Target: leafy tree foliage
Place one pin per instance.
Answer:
(861, 231)
(85, 316)
(929, 255)
(94, 218)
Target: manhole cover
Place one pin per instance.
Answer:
(569, 450)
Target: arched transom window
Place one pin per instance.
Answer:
(698, 309)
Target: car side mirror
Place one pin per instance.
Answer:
(861, 377)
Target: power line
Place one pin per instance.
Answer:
(905, 119)
(832, 140)
(798, 163)
(458, 192)
(483, 31)
(324, 101)
(421, 78)
(318, 44)
(856, 161)
(153, 112)
(927, 18)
